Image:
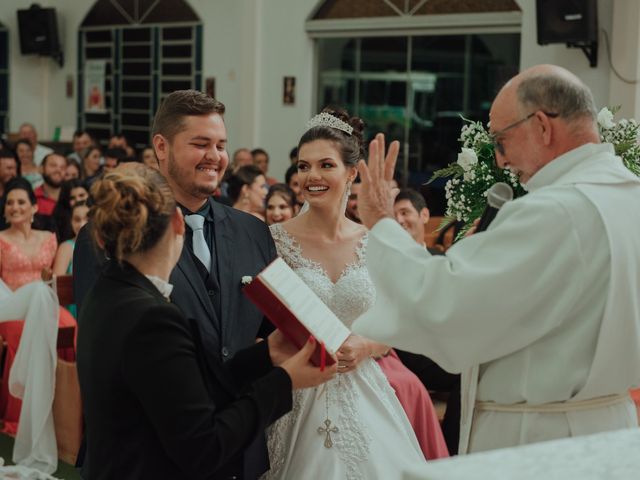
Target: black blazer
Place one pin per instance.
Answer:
(243, 248)
(154, 407)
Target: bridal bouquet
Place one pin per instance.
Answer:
(475, 170)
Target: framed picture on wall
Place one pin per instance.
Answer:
(289, 91)
(210, 86)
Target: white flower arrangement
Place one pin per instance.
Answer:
(624, 137)
(475, 170)
(472, 175)
(246, 279)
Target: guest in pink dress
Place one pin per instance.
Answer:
(24, 252)
(417, 404)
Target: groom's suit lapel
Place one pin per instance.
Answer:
(225, 243)
(191, 273)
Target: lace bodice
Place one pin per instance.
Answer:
(349, 297)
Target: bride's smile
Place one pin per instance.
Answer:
(321, 171)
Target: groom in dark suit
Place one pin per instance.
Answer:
(222, 245)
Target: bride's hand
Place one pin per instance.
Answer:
(354, 349)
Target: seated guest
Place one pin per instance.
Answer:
(148, 157)
(71, 192)
(241, 158)
(91, 167)
(292, 180)
(293, 156)
(112, 157)
(8, 168)
(24, 251)
(248, 190)
(412, 214)
(281, 204)
(53, 170)
(73, 169)
(63, 263)
(81, 142)
(352, 202)
(28, 168)
(119, 140)
(28, 132)
(261, 160)
(157, 405)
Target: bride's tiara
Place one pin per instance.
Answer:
(325, 119)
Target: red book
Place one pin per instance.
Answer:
(296, 310)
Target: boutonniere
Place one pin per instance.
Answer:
(246, 280)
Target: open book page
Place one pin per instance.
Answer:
(305, 304)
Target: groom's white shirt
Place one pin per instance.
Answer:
(543, 307)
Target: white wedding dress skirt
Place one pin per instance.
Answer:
(374, 439)
(33, 373)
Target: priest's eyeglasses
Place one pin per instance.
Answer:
(497, 145)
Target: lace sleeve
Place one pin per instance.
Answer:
(286, 246)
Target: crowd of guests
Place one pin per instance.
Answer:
(54, 189)
(46, 201)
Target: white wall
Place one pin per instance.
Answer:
(249, 46)
(37, 85)
(287, 51)
(571, 58)
(625, 39)
(229, 56)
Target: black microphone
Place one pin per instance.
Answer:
(499, 194)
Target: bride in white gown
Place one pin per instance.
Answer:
(354, 427)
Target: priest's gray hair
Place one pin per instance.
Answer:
(561, 94)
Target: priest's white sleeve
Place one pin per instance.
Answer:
(491, 294)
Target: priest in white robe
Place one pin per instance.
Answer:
(541, 312)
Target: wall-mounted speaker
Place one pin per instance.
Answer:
(567, 21)
(574, 22)
(38, 31)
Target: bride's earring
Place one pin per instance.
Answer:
(345, 198)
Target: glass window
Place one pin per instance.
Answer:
(152, 50)
(416, 89)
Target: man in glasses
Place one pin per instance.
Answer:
(540, 312)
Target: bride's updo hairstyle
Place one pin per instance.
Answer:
(345, 132)
(132, 208)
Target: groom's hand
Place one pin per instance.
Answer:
(375, 200)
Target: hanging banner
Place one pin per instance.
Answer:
(94, 85)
